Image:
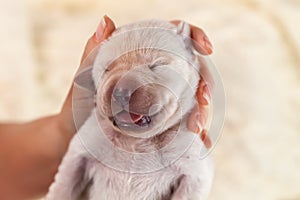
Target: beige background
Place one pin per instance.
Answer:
(257, 51)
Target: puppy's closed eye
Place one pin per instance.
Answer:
(158, 62)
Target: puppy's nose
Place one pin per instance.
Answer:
(122, 96)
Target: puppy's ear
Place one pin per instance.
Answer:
(184, 30)
(83, 96)
(84, 80)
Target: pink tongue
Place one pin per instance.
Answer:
(128, 117)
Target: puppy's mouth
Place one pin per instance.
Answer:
(128, 119)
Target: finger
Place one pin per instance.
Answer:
(203, 116)
(198, 118)
(205, 72)
(206, 139)
(193, 122)
(203, 94)
(104, 30)
(200, 40)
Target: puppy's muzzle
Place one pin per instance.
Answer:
(121, 96)
(123, 118)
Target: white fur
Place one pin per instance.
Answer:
(82, 169)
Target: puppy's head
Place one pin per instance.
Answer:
(146, 77)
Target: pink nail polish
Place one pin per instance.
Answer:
(200, 128)
(206, 94)
(100, 29)
(207, 43)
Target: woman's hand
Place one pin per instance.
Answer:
(65, 119)
(199, 115)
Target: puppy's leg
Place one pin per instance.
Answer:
(69, 181)
(181, 190)
(189, 189)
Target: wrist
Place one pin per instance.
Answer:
(64, 118)
(65, 125)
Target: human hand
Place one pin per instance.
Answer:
(65, 117)
(199, 114)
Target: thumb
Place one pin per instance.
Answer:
(104, 30)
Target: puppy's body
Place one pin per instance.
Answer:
(156, 161)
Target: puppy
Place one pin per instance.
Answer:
(135, 144)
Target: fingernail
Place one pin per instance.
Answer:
(206, 97)
(206, 139)
(200, 128)
(207, 44)
(100, 29)
(206, 94)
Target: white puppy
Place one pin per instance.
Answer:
(135, 145)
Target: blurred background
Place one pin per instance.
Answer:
(256, 49)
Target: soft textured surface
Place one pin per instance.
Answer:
(257, 51)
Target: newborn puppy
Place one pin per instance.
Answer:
(135, 144)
